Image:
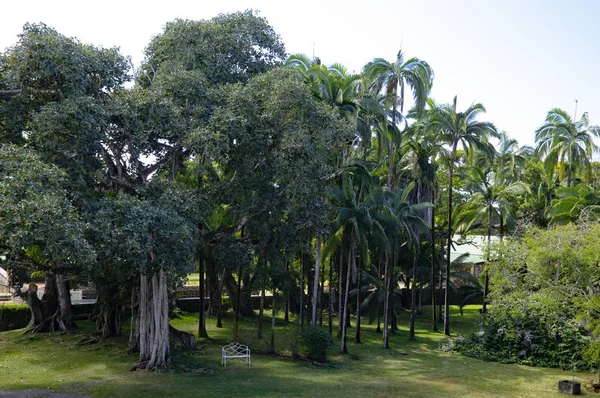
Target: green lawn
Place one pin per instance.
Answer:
(68, 363)
(193, 279)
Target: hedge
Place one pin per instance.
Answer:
(14, 316)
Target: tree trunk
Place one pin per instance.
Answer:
(449, 237)
(358, 286)
(47, 315)
(286, 304)
(301, 321)
(219, 300)
(108, 306)
(272, 345)
(201, 314)
(420, 300)
(441, 267)
(322, 296)
(34, 305)
(212, 285)
(239, 295)
(413, 294)
(133, 345)
(154, 322)
(341, 291)
(433, 292)
(315, 291)
(260, 313)
(50, 297)
(378, 330)
(386, 306)
(64, 301)
(393, 315)
(486, 282)
(330, 315)
(344, 348)
(185, 339)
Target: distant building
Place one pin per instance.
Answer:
(474, 247)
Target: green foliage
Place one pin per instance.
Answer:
(527, 338)
(226, 49)
(316, 341)
(592, 354)
(543, 294)
(39, 225)
(292, 335)
(13, 316)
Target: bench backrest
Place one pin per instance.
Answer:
(235, 349)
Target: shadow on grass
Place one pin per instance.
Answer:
(409, 369)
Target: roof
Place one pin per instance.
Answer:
(473, 245)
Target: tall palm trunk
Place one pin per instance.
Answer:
(386, 306)
(442, 278)
(413, 294)
(433, 292)
(449, 237)
(344, 347)
(486, 282)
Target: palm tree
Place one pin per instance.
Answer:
(420, 148)
(391, 79)
(571, 202)
(566, 143)
(403, 226)
(354, 218)
(510, 158)
(489, 202)
(458, 128)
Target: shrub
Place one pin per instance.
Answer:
(528, 339)
(292, 336)
(316, 341)
(13, 316)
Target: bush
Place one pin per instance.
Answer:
(13, 316)
(291, 337)
(316, 341)
(529, 339)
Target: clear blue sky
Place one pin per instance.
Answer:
(518, 58)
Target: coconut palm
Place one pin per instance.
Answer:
(391, 79)
(566, 143)
(459, 128)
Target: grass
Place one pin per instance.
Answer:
(193, 279)
(69, 363)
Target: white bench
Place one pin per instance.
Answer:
(235, 350)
